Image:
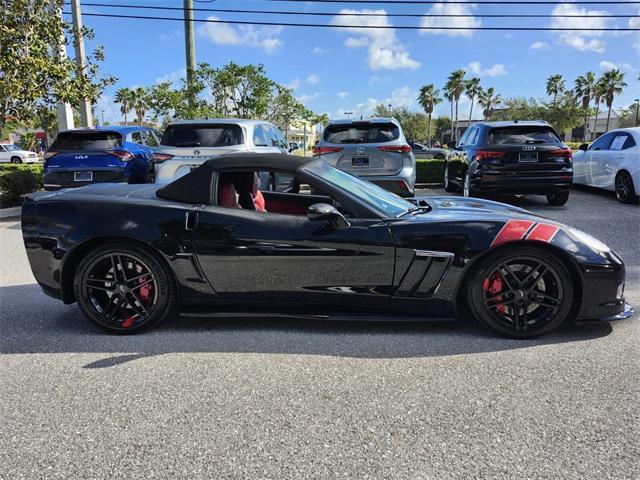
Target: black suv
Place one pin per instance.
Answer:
(518, 157)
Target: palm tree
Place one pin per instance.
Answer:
(139, 102)
(584, 86)
(488, 101)
(448, 94)
(555, 86)
(428, 98)
(599, 92)
(473, 90)
(124, 97)
(614, 84)
(456, 84)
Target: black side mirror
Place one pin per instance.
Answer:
(584, 147)
(328, 213)
(451, 145)
(293, 146)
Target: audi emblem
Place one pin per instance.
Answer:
(528, 148)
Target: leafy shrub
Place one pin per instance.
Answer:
(432, 171)
(574, 145)
(14, 184)
(35, 168)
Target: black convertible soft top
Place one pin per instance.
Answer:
(195, 187)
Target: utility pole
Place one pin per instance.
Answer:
(65, 114)
(86, 116)
(637, 100)
(189, 47)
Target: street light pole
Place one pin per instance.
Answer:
(65, 114)
(637, 100)
(86, 116)
(189, 47)
(348, 113)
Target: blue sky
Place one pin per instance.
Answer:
(351, 69)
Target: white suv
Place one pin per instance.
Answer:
(188, 143)
(10, 152)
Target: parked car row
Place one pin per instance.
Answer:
(516, 157)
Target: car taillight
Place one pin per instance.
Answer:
(396, 148)
(48, 155)
(121, 154)
(161, 157)
(488, 155)
(565, 153)
(323, 150)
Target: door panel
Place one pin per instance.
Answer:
(284, 259)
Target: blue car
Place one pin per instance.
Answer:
(101, 154)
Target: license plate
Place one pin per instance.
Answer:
(82, 176)
(360, 162)
(529, 157)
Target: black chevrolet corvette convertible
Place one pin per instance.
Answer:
(334, 247)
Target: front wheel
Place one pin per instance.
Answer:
(466, 187)
(558, 198)
(16, 160)
(123, 289)
(625, 190)
(521, 292)
(448, 186)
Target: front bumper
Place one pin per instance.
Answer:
(603, 295)
(64, 178)
(518, 182)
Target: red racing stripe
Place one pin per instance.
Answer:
(511, 231)
(543, 232)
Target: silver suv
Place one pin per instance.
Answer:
(374, 149)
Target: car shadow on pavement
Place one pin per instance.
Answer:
(34, 323)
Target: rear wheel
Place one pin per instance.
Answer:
(558, 198)
(521, 292)
(466, 186)
(625, 190)
(448, 186)
(16, 160)
(123, 289)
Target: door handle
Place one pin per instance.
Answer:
(190, 220)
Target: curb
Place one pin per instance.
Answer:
(10, 212)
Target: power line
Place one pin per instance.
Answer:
(356, 14)
(464, 2)
(373, 27)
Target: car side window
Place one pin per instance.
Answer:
(603, 142)
(473, 136)
(282, 143)
(465, 135)
(150, 138)
(629, 143)
(2, 149)
(136, 137)
(260, 137)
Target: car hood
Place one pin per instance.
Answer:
(455, 206)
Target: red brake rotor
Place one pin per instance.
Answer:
(493, 285)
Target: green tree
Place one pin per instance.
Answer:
(285, 109)
(32, 74)
(443, 124)
(163, 101)
(124, 96)
(428, 98)
(614, 83)
(489, 100)
(473, 90)
(139, 103)
(455, 87)
(555, 86)
(584, 87)
(599, 93)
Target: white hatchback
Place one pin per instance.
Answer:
(187, 144)
(612, 162)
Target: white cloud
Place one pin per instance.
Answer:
(171, 35)
(384, 48)
(465, 24)
(305, 97)
(293, 84)
(581, 39)
(313, 79)
(320, 50)
(400, 97)
(495, 71)
(173, 77)
(606, 65)
(342, 94)
(111, 110)
(246, 35)
(539, 46)
(635, 22)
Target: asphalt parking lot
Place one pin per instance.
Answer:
(284, 398)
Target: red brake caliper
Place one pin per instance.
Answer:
(493, 285)
(145, 292)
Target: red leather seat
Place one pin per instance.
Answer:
(227, 194)
(249, 196)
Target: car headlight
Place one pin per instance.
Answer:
(590, 241)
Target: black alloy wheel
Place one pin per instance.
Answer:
(448, 186)
(558, 198)
(123, 289)
(521, 292)
(625, 191)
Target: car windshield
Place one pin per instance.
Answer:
(387, 204)
(362, 133)
(522, 135)
(202, 135)
(10, 147)
(86, 141)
